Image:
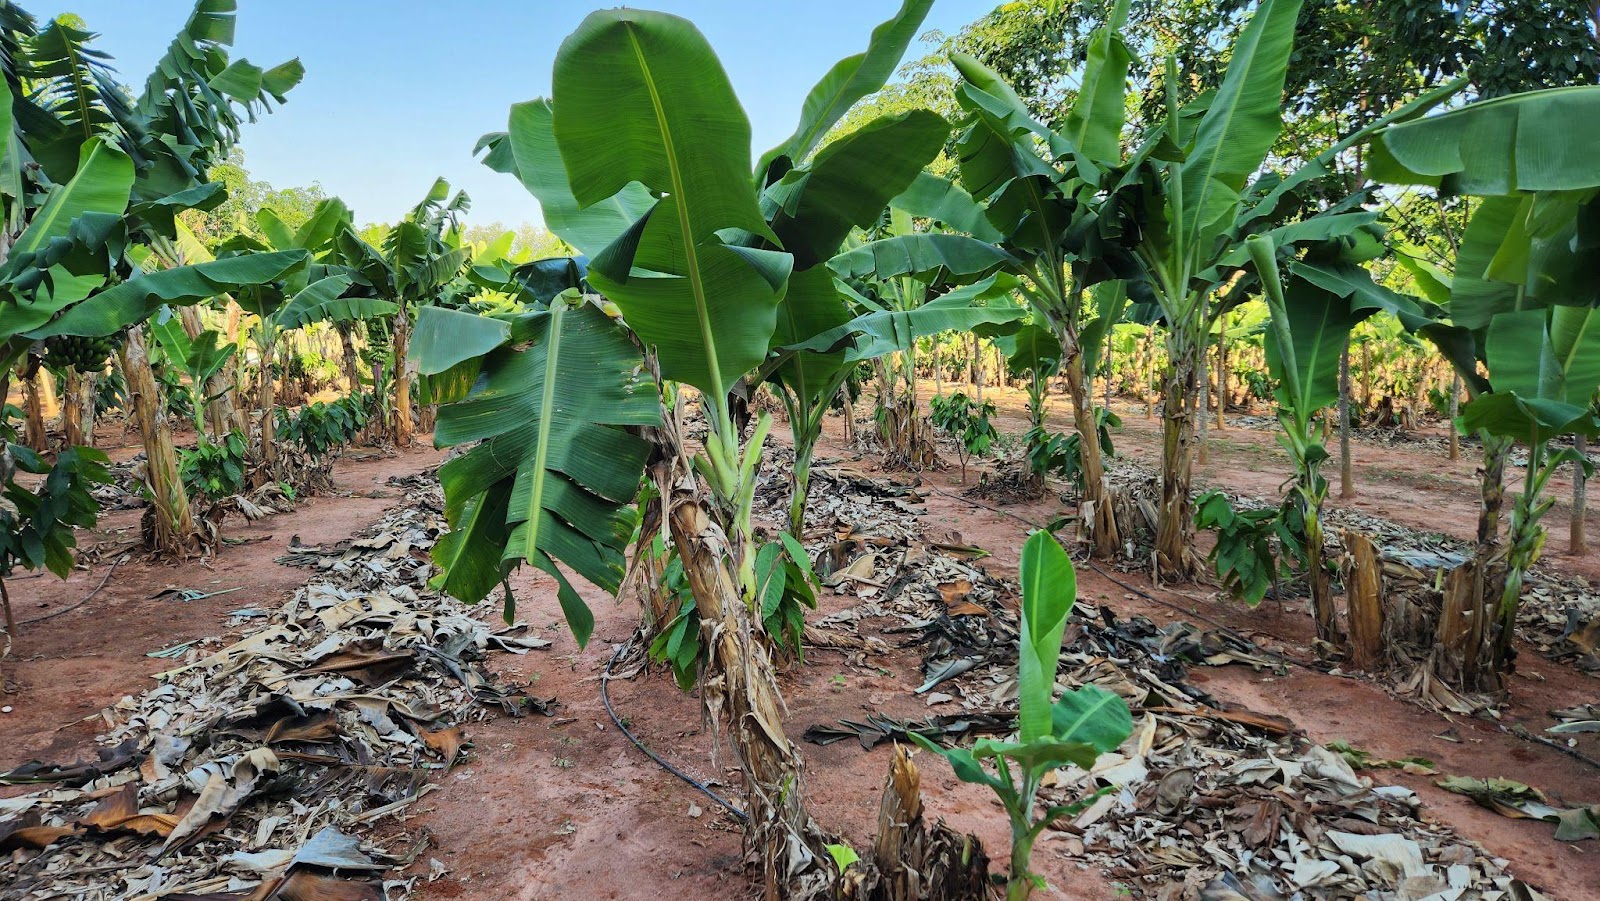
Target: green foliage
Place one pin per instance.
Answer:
(677, 643)
(322, 428)
(36, 526)
(785, 588)
(1244, 557)
(1050, 453)
(215, 470)
(967, 422)
(1075, 729)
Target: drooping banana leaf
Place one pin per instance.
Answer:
(847, 185)
(942, 200)
(133, 300)
(1537, 141)
(1032, 348)
(323, 301)
(549, 411)
(881, 332)
(925, 257)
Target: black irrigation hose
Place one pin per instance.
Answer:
(605, 697)
(84, 600)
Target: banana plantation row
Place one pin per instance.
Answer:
(1152, 244)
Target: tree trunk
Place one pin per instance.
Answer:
(403, 427)
(1347, 485)
(909, 861)
(352, 362)
(977, 369)
(1098, 513)
(1455, 410)
(1174, 556)
(1363, 581)
(77, 409)
(268, 402)
(1202, 413)
(1222, 381)
(35, 433)
(740, 688)
(1578, 540)
(173, 525)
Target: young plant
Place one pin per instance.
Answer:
(36, 526)
(1243, 558)
(1075, 729)
(967, 422)
(215, 469)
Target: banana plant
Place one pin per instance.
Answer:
(643, 123)
(634, 161)
(322, 292)
(113, 174)
(421, 258)
(1074, 729)
(1180, 205)
(201, 358)
(1037, 188)
(1309, 322)
(1522, 328)
(909, 275)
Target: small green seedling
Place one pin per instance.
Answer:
(1076, 729)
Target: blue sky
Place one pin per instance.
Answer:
(398, 91)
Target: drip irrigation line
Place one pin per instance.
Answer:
(697, 785)
(1522, 732)
(84, 600)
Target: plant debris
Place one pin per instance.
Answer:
(252, 768)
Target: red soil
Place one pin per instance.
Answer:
(566, 807)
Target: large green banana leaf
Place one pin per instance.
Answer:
(1545, 368)
(1094, 124)
(1317, 322)
(536, 161)
(133, 300)
(942, 200)
(813, 306)
(323, 301)
(813, 208)
(1538, 141)
(102, 184)
(1110, 303)
(880, 332)
(925, 257)
(850, 79)
(1032, 348)
(553, 474)
(641, 97)
(1240, 126)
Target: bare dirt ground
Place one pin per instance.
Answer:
(565, 807)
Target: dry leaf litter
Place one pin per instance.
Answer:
(1206, 801)
(253, 768)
